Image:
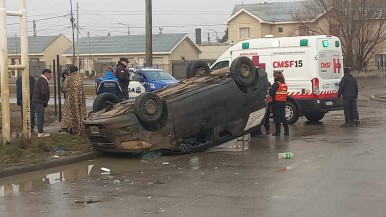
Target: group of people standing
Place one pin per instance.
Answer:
(74, 110)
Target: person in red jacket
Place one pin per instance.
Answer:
(278, 92)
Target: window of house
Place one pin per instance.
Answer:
(104, 60)
(81, 63)
(380, 61)
(244, 33)
(280, 29)
(334, 30)
(303, 30)
(34, 60)
(157, 60)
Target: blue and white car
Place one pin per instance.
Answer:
(148, 80)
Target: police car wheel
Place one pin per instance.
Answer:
(148, 107)
(196, 68)
(315, 116)
(291, 112)
(243, 72)
(104, 100)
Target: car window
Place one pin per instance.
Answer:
(221, 65)
(158, 75)
(134, 76)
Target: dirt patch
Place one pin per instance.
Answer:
(16, 120)
(19, 153)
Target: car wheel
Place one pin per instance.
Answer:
(243, 72)
(197, 68)
(291, 112)
(148, 107)
(315, 116)
(104, 100)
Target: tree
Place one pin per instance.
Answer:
(224, 38)
(360, 24)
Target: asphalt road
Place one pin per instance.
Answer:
(335, 172)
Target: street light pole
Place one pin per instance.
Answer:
(128, 27)
(72, 20)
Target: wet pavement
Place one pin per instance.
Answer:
(335, 172)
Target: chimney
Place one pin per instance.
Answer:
(198, 36)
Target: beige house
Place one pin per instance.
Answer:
(42, 51)
(259, 20)
(95, 53)
(212, 51)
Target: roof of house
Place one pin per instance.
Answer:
(36, 44)
(271, 12)
(128, 44)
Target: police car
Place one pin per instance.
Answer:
(148, 80)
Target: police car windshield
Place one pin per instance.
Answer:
(158, 75)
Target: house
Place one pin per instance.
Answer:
(97, 52)
(42, 51)
(276, 19)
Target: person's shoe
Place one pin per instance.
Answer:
(275, 134)
(345, 125)
(268, 132)
(286, 134)
(356, 123)
(42, 135)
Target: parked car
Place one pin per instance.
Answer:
(205, 110)
(141, 81)
(148, 80)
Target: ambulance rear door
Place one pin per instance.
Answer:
(330, 64)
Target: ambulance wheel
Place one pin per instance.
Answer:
(315, 116)
(148, 107)
(104, 100)
(197, 68)
(291, 112)
(243, 72)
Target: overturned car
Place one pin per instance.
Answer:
(205, 110)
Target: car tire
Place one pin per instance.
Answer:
(291, 112)
(148, 107)
(195, 67)
(243, 72)
(104, 100)
(315, 116)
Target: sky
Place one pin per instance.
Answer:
(100, 17)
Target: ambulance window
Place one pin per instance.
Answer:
(220, 65)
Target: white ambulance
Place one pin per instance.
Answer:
(312, 66)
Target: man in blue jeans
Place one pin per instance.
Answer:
(19, 99)
(40, 98)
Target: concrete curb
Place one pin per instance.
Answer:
(51, 163)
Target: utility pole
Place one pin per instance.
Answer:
(149, 34)
(77, 36)
(72, 20)
(4, 67)
(34, 26)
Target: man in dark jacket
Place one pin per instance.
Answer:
(348, 88)
(40, 98)
(19, 99)
(123, 77)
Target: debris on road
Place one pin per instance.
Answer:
(105, 169)
(165, 163)
(285, 155)
(87, 201)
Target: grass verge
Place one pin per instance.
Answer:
(39, 150)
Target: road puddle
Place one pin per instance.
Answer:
(30, 182)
